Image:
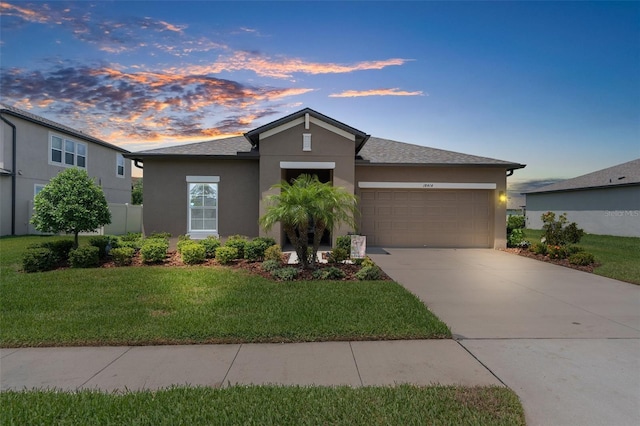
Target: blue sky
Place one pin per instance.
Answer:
(553, 85)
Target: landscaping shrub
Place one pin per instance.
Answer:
(344, 242)
(268, 241)
(154, 250)
(555, 231)
(225, 254)
(574, 249)
(160, 235)
(369, 273)
(515, 238)
(271, 265)
(515, 222)
(210, 244)
(103, 242)
(134, 244)
(330, 273)
(122, 256)
(539, 248)
(338, 255)
(38, 259)
(183, 243)
(582, 258)
(288, 273)
(573, 234)
(273, 253)
(193, 253)
(238, 242)
(367, 262)
(131, 236)
(557, 252)
(84, 257)
(60, 249)
(254, 250)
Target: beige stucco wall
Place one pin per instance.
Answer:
(364, 173)
(166, 199)
(32, 165)
(326, 146)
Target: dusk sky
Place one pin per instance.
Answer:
(553, 85)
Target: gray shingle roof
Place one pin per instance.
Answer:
(4, 108)
(622, 174)
(375, 151)
(385, 151)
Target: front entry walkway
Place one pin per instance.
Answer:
(567, 342)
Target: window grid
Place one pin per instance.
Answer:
(65, 152)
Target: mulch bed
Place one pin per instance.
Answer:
(545, 258)
(173, 259)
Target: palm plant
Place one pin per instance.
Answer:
(308, 205)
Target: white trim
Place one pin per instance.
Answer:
(306, 121)
(35, 188)
(203, 179)
(325, 165)
(62, 162)
(333, 129)
(202, 232)
(281, 128)
(124, 166)
(426, 185)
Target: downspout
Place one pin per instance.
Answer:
(510, 172)
(135, 163)
(13, 175)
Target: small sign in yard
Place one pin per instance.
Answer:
(358, 246)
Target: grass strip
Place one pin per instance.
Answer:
(263, 405)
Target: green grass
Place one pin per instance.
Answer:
(619, 257)
(268, 405)
(182, 305)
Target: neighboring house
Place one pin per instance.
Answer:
(33, 150)
(409, 195)
(604, 202)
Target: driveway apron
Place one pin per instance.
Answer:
(568, 342)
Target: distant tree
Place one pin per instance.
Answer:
(71, 202)
(136, 192)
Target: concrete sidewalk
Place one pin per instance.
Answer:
(421, 362)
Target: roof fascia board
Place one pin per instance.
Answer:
(584, 188)
(367, 163)
(332, 128)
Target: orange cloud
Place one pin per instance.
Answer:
(282, 68)
(375, 92)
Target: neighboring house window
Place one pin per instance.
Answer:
(37, 188)
(65, 152)
(120, 165)
(203, 204)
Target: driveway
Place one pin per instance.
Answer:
(566, 341)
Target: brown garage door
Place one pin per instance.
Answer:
(426, 218)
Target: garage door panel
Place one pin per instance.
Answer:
(427, 218)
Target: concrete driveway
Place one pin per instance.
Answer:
(566, 341)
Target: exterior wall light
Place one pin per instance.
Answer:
(502, 197)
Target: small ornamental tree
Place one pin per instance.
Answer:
(72, 203)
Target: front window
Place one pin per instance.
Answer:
(120, 165)
(65, 152)
(203, 207)
(37, 188)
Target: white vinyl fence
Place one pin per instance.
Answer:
(124, 218)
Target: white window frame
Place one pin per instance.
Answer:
(119, 159)
(77, 146)
(203, 180)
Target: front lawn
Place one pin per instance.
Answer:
(268, 405)
(197, 304)
(619, 257)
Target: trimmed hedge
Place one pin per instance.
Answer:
(84, 257)
(123, 256)
(225, 254)
(193, 254)
(38, 259)
(154, 250)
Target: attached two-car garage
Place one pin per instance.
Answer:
(427, 216)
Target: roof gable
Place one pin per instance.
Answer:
(307, 115)
(620, 175)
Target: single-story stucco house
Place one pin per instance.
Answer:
(604, 202)
(409, 195)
